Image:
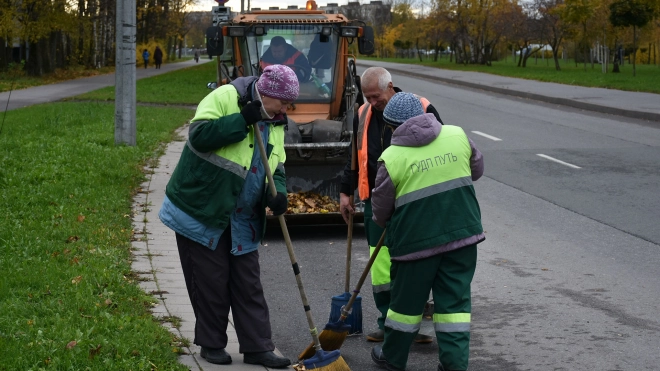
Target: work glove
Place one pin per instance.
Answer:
(251, 112)
(276, 204)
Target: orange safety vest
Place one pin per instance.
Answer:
(364, 114)
(289, 62)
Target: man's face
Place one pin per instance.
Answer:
(278, 52)
(273, 106)
(376, 97)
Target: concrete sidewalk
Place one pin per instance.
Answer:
(645, 106)
(157, 262)
(71, 88)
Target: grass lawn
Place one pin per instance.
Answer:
(647, 78)
(15, 78)
(186, 86)
(68, 297)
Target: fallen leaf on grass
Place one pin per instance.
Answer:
(76, 280)
(93, 352)
(71, 344)
(81, 218)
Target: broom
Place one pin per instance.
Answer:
(333, 335)
(354, 320)
(322, 361)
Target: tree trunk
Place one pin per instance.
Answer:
(81, 30)
(584, 44)
(34, 66)
(169, 48)
(4, 60)
(634, 49)
(527, 56)
(555, 56)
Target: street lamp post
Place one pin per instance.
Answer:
(125, 127)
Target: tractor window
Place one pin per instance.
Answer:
(301, 47)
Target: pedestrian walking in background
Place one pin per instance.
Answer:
(215, 202)
(145, 56)
(425, 197)
(373, 137)
(196, 56)
(158, 57)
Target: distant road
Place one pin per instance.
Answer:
(71, 88)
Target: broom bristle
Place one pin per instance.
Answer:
(330, 340)
(322, 361)
(338, 365)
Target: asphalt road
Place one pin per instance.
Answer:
(569, 276)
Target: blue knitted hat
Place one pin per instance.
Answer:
(401, 107)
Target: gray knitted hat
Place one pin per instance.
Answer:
(401, 107)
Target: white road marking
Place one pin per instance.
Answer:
(558, 161)
(487, 136)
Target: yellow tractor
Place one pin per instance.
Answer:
(320, 129)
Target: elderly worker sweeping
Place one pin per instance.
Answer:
(425, 197)
(215, 202)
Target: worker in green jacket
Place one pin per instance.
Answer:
(425, 197)
(215, 202)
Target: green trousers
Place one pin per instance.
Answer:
(449, 275)
(380, 270)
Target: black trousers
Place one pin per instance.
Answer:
(217, 281)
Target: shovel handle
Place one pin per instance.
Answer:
(287, 239)
(349, 240)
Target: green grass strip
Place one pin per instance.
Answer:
(185, 86)
(68, 298)
(647, 78)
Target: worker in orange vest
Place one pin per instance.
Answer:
(373, 137)
(280, 52)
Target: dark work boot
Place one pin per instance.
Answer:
(216, 356)
(268, 359)
(376, 336)
(379, 358)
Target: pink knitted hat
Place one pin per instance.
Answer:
(279, 82)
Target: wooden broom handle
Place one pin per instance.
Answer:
(287, 239)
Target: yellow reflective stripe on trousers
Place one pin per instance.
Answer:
(452, 322)
(380, 270)
(403, 322)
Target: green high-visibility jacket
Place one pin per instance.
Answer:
(435, 199)
(216, 159)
